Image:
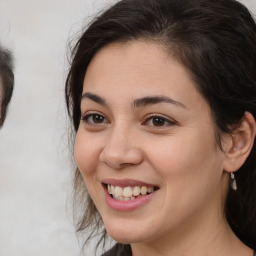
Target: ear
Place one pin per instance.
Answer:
(239, 144)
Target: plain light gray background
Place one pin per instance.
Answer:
(35, 176)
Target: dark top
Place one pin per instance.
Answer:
(118, 248)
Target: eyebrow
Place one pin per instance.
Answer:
(94, 97)
(151, 100)
(141, 102)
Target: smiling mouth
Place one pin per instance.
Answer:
(129, 193)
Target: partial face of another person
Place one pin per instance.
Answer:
(2, 104)
(1, 98)
(146, 145)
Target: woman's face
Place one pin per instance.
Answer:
(146, 135)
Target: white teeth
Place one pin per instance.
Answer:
(136, 191)
(121, 198)
(112, 189)
(118, 191)
(128, 193)
(150, 189)
(144, 190)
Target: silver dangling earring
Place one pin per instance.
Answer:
(233, 181)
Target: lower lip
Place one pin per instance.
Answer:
(127, 206)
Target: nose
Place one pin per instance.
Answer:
(121, 150)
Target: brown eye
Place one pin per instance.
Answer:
(157, 121)
(94, 119)
(97, 119)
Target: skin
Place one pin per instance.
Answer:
(180, 155)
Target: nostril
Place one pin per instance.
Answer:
(122, 158)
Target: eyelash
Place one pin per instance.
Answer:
(86, 119)
(164, 122)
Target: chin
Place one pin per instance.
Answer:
(125, 238)
(129, 234)
(125, 234)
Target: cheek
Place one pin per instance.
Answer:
(190, 170)
(181, 151)
(187, 161)
(86, 154)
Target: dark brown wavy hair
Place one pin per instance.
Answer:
(6, 82)
(216, 42)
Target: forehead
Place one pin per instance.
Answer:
(140, 61)
(137, 67)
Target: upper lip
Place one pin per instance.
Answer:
(127, 182)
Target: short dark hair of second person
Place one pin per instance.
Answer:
(6, 81)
